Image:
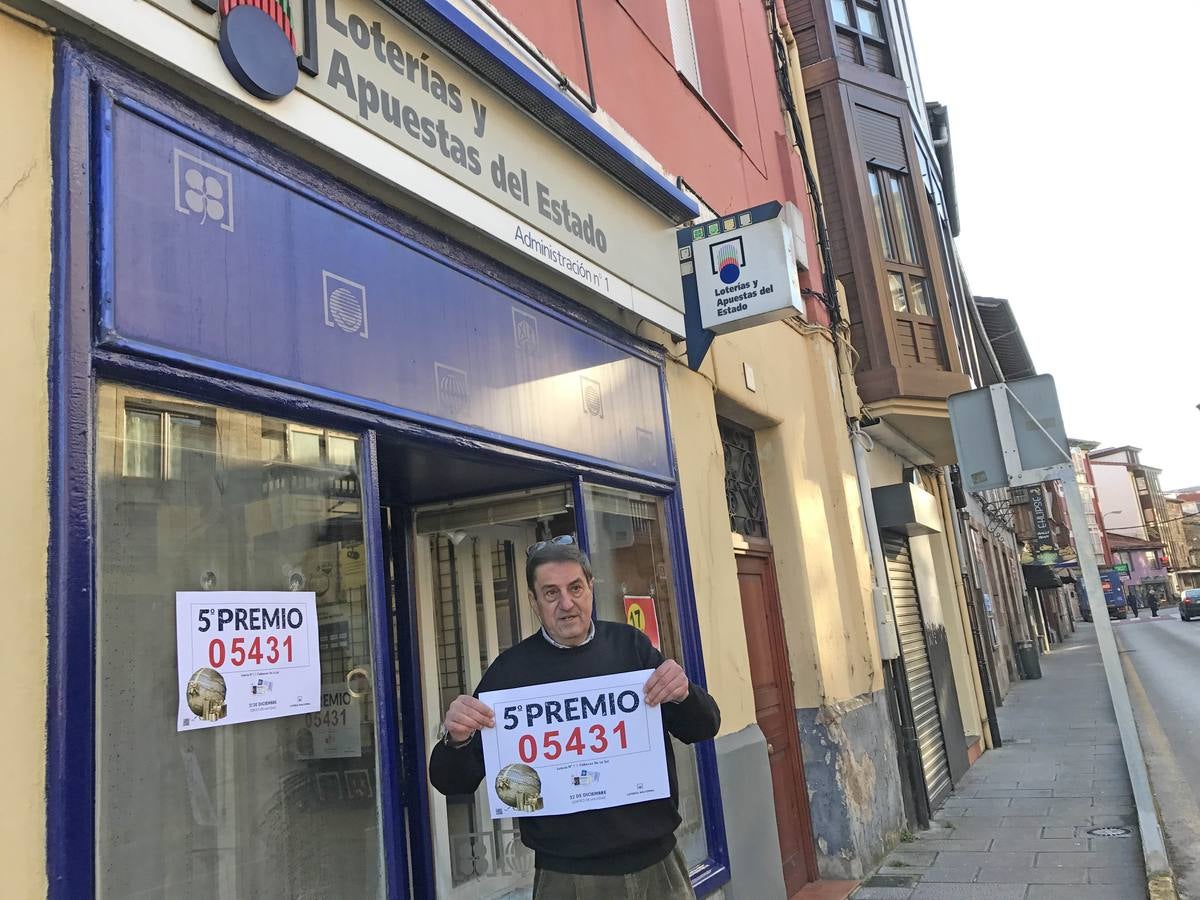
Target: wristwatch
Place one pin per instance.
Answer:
(444, 737)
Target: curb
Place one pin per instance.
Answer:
(1160, 885)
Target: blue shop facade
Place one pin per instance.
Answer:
(263, 378)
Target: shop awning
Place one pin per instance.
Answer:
(1040, 577)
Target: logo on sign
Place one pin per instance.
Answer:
(452, 390)
(525, 331)
(728, 259)
(345, 304)
(202, 189)
(593, 402)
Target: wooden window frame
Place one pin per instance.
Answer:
(861, 37)
(897, 223)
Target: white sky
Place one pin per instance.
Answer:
(1074, 129)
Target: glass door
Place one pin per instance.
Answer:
(469, 567)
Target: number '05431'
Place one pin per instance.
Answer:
(597, 740)
(271, 651)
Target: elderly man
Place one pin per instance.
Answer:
(623, 851)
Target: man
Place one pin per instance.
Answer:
(1152, 601)
(1132, 598)
(623, 851)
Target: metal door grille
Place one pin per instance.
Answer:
(914, 654)
(743, 484)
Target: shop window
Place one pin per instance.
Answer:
(628, 542)
(285, 807)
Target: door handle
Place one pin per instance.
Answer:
(770, 748)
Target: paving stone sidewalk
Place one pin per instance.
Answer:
(1016, 826)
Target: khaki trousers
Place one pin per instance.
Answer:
(665, 880)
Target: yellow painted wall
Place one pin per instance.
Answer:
(26, 80)
(813, 512)
(706, 517)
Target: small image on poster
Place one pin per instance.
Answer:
(567, 746)
(641, 614)
(245, 656)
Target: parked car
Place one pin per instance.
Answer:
(1189, 604)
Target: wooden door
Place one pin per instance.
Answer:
(772, 679)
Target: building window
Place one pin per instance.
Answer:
(861, 34)
(683, 40)
(162, 444)
(899, 240)
(743, 485)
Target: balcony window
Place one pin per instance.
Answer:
(860, 33)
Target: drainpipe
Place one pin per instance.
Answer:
(885, 617)
(981, 682)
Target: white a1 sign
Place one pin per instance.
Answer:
(744, 268)
(568, 746)
(245, 656)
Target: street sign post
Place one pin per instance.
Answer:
(1012, 435)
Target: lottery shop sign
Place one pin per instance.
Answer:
(567, 746)
(245, 656)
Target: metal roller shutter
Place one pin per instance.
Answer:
(915, 656)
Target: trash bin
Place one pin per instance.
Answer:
(1027, 659)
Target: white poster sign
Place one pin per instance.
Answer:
(568, 746)
(245, 656)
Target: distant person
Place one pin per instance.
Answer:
(1152, 601)
(1132, 598)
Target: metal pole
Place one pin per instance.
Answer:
(1152, 838)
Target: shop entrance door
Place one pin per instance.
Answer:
(772, 680)
(467, 567)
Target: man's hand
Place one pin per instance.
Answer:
(669, 683)
(466, 716)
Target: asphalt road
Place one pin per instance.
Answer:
(1161, 658)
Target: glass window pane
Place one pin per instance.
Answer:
(473, 594)
(899, 294)
(340, 450)
(869, 22)
(907, 236)
(841, 12)
(920, 300)
(143, 444)
(628, 537)
(881, 214)
(305, 446)
(280, 808)
(190, 444)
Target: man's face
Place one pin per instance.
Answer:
(562, 599)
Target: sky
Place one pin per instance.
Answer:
(1072, 125)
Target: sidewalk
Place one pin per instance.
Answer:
(1016, 826)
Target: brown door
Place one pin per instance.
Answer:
(772, 678)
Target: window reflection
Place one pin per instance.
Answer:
(191, 497)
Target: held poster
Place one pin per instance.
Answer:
(245, 656)
(568, 746)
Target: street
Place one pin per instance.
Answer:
(1161, 659)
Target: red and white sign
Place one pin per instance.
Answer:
(567, 746)
(245, 656)
(641, 614)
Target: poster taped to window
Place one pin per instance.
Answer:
(245, 656)
(563, 747)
